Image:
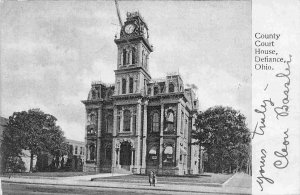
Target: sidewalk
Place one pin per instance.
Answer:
(85, 182)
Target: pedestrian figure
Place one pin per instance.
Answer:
(152, 178)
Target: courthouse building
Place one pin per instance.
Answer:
(140, 124)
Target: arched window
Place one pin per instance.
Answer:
(92, 152)
(130, 85)
(156, 90)
(126, 123)
(171, 88)
(124, 56)
(133, 55)
(155, 122)
(123, 86)
(109, 123)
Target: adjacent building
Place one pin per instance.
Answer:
(76, 156)
(139, 123)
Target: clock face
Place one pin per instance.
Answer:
(129, 28)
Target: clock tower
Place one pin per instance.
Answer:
(132, 74)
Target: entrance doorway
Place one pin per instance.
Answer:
(125, 155)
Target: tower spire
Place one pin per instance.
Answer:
(118, 13)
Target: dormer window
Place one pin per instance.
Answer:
(156, 90)
(171, 88)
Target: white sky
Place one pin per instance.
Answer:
(51, 51)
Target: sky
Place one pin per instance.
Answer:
(51, 51)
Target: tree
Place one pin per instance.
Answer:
(34, 131)
(222, 131)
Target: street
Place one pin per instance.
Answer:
(41, 189)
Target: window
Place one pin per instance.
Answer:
(130, 85)
(109, 123)
(127, 117)
(81, 150)
(133, 55)
(168, 155)
(108, 153)
(162, 87)
(123, 86)
(124, 56)
(171, 88)
(149, 91)
(153, 156)
(156, 90)
(92, 152)
(92, 118)
(155, 122)
(76, 149)
(71, 149)
(170, 121)
(119, 121)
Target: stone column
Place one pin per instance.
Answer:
(122, 120)
(161, 140)
(86, 142)
(114, 133)
(139, 115)
(144, 139)
(178, 134)
(99, 137)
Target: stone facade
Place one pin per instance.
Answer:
(140, 124)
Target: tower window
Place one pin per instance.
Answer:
(133, 55)
(124, 56)
(123, 86)
(171, 88)
(130, 85)
(127, 117)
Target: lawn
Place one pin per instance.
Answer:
(205, 178)
(47, 174)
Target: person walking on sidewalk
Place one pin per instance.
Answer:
(152, 178)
